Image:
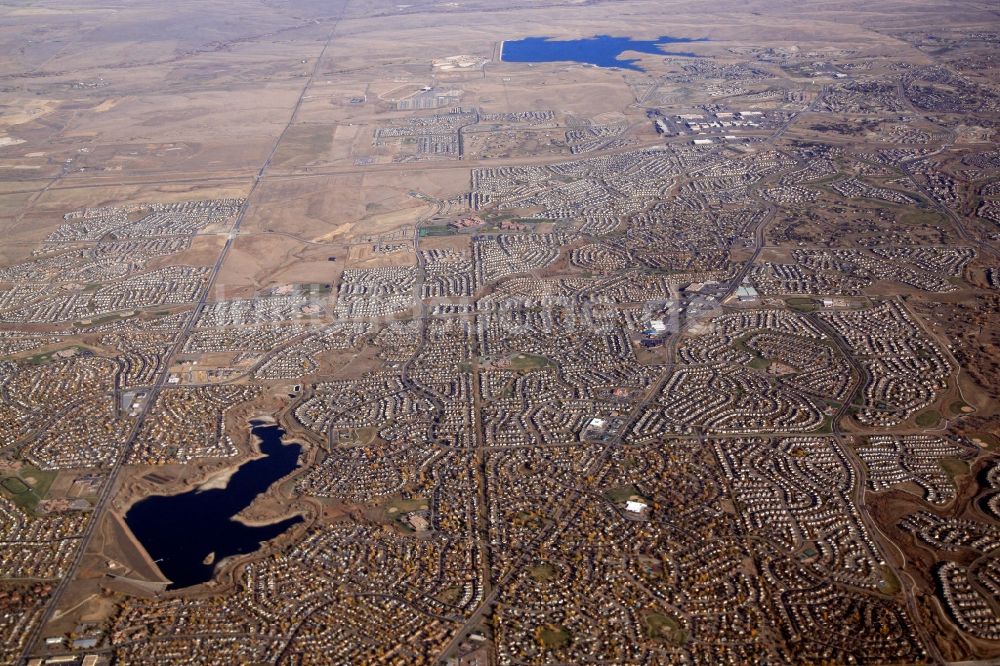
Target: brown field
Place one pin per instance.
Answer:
(112, 103)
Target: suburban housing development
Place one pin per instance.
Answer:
(489, 335)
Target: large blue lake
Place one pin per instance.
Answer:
(181, 532)
(601, 50)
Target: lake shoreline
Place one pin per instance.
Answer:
(189, 534)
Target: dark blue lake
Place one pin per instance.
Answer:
(601, 50)
(180, 531)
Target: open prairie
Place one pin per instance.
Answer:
(356, 332)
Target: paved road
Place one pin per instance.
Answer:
(948, 212)
(107, 491)
(860, 484)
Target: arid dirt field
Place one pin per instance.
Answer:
(690, 356)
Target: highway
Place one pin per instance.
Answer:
(110, 485)
(564, 513)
